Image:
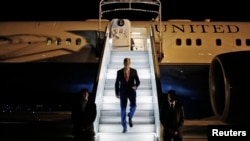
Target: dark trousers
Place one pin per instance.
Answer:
(87, 135)
(168, 136)
(131, 96)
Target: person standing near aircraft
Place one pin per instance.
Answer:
(172, 118)
(83, 116)
(127, 81)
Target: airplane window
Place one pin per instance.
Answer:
(49, 41)
(68, 41)
(198, 42)
(248, 42)
(238, 42)
(178, 42)
(188, 42)
(120, 22)
(218, 42)
(78, 41)
(58, 41)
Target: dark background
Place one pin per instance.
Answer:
(43, 10)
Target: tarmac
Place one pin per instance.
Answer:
(57, 126)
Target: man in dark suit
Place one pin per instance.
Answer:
(127, 81)
(172, 118)
(83, 116)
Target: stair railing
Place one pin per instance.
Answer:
(156, 85)
(102, 77)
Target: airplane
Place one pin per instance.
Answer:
(204, 61)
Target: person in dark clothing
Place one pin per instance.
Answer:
(172, 118)
(126, 84)
(83, 116)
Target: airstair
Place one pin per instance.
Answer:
(146, 119)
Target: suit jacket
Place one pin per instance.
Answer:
(172, 120)
(83, 118)
(121, 85)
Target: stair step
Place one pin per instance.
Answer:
(144, 83)
(138, 57)
(141, 75)
(117, 120)
(139, 99)
(129, 53)
(139, 70)
(138, 66)
(116, 106)
(138, 113)
(141, 87)
(126, 136)
(139, 92)
(117, 128)
(109, 84)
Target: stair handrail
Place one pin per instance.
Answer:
(131, 7)
(105, 59)
(156, 84)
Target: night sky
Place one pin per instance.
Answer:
(196, 10)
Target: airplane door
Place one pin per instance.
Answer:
(120, 34)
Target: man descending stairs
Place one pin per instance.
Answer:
(144, 121)
(126, 84)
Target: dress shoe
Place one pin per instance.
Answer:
(124, 130)
(130, 121)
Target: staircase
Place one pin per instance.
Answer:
(146, 125)
(108, 123)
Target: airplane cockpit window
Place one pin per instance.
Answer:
(178, 42)
(218, 42)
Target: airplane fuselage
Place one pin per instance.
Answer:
(187, 48)
(181, 41)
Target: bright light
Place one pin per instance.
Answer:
(136, 33)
